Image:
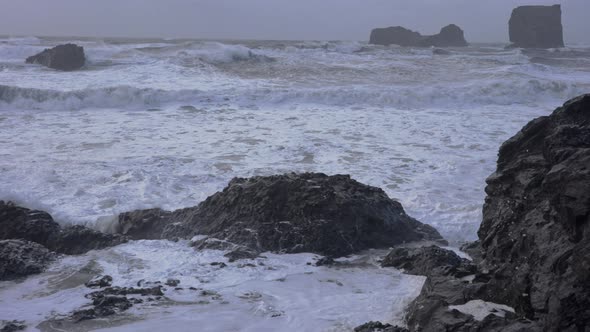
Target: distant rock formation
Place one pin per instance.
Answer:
(449, 36)
(311, 212)
(536, 27)
(65, 57)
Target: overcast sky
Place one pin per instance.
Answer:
(482, 20)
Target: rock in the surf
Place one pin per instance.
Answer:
(449, 36)
(65, 57)
(20, 258)
(536, 27)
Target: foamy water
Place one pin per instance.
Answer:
(158, 123)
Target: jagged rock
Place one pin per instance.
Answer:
(62, 57)
(100, 282)
(536, 27)
(12, 326)
(143, 224)
(20, 258)
(379, 327)
(310, 212)
(241, 253)
(535, 232)
(474, 250)
(103, 307)
(75, 240)
(38, 226)
(429, 261)
(21, 223)
(449, 36)
(172, 282)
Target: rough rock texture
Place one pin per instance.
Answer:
(449, 36)
(62, 57)
(12, 326)
(379, 327)
(311, 212)
(535, 232)
(20, 258)
(99, 282)
(37, 226)
(536, 27)
(429, 261)
(143, 224)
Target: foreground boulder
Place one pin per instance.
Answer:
(19, 258)
(311, 212)
(536, 27)
(17, 222)
(62, 57)
(449, 36)
(535, 232)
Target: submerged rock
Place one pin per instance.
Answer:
(536, 27)
(535, 232)
(310, 212)
(449, 36)
(38, 226)
(379, 327)
(12, 326)
(429, 261)
(62, 57)
(20, 258)
(99, 282)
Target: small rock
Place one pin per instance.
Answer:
(100, 282)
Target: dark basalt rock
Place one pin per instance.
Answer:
(37, 226)
(76, 240)
(241, 253)
(62, 57)
(429, 261)
(536, 27)
(379, 327)
(20, 258)
(12, 326)
(449, 36)
(311, 212)
(124, 291)
(143, 224)
(21, 223)
(100, 282)
(535, 232)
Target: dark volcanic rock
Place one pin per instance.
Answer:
(241, 253)
(37, 226)
(19, 258)
(379, 327)
(535, 232)
(449, 36)
(311, 212)
(75, 240)
(12, 326)
(143, 224)
(99, 282)
(62, 57)
(536, 27)
(429, 261)
(21, 223)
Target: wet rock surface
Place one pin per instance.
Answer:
(143, 224)
(290, 213)
(429, 261)
(99, 282)
(65, 57)
(20, 258)
(535, 232)
(17, 222)
(536, 27)
(12, 326)
(379, 327)
(449, 36)
(533, 255)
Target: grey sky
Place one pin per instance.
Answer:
(482, 20)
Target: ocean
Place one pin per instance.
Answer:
(166, 123)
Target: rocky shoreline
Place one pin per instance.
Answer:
(529, 270)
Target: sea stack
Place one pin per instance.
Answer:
(449, 36)
(65, 57)
(536, 27)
